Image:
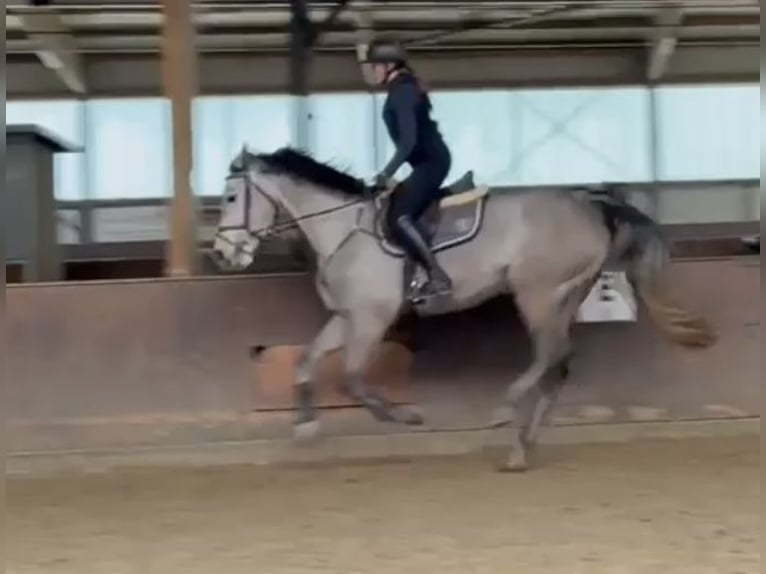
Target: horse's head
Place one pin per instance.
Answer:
(248, 213)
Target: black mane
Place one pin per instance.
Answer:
(300, 165)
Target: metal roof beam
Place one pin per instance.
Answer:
(328, 22)
(663, 44)
(385, 14)
(54, 45)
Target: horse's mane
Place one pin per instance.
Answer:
(298, 164)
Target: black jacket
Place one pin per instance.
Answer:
(407, 115)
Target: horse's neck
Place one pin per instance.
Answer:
(324, 232)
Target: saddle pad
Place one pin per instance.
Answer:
(464, 197)
(457, 224)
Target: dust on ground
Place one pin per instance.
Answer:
(686, 507)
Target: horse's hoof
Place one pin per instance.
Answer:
(409, 415)
(515, 463)
(503, 416)
(305, 431)
(383, 414)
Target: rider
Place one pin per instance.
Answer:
(407, 115)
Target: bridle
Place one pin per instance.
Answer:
(274, 228)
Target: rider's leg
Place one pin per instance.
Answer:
(438, 280)
(418, 191)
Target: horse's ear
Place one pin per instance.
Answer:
(243, 157)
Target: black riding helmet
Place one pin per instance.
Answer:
(385, 52)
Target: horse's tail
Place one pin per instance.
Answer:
(639, 245)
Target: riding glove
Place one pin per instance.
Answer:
(382, 183)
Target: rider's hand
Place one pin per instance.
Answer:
(381, 182)
(370, 187)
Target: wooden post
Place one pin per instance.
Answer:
(180, 81)
(301, 38)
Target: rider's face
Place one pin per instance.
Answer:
(380, 72)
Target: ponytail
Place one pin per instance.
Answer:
(402, 67)
(419, 82)
(423, 87)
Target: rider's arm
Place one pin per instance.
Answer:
(404, 101)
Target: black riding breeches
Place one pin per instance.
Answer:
(416, 193)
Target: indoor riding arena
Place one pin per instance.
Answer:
(152, 393)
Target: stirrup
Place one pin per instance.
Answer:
(436, 288)
(413, 291)
(428, 290)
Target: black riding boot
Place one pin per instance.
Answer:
(438, 282)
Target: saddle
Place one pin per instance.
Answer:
(456, 219)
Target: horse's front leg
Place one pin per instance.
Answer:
(364, 333)
(329, 339)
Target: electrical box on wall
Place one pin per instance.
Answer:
(31, 228)
(610, 299)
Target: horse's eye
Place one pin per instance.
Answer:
(231, 199)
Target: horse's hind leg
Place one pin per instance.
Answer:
(539, 312)
(539, 309)
(542, 409)
(551, 386)
(329, 339)
(363, 334)
(545, 345)
(556, 346)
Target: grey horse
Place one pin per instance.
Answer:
(543, 247)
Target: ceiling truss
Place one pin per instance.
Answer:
(75, 31)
